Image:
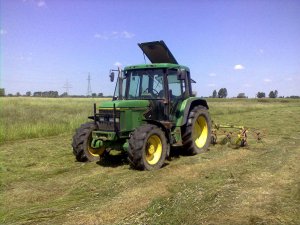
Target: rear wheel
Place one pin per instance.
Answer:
(197, 132)
(147, 148)
(81, 144)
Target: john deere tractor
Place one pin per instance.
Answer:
(153, 109)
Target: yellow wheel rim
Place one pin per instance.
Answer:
(200, 132)
(94, 151)
(153, 149)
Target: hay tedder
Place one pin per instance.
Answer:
(236, 135)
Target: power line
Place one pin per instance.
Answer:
(89, 89)
(67, 86)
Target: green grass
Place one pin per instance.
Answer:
(23, 118)
(41, 183)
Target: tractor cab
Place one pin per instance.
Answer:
(164, 83)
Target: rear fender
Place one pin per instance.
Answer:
(186, 106)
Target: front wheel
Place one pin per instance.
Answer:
(147, 148)
(81, 144)
(196, 134)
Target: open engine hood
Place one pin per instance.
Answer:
(157, 52)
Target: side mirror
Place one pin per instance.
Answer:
(112, 76)
(181, 74)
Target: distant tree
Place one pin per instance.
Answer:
(28, 93)
(294, 96)
(54, 94)
(50, 94)
(100, 95)
(37, 94)
(215, 95)
(241, 95)
(94, 95)
(222, 93)
(65, 94)
(18, 94)
(261, 95)
(2, 92)
(273, 94)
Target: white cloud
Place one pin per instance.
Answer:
(211, 85)
(114, 35)
(23, 57)
(100, 36)
(239, 67)
(41, 3)
(289, 79)
(126, 34)
(3, 32)
(267, 80)
(38, 3)
(261, 51)
(212, 75)
(118, 64)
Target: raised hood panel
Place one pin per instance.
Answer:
(125, 104)
(157, 52)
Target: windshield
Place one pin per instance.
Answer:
(149, 84)
(144, 84)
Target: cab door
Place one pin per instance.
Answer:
(176, 93)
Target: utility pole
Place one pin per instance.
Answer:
(67, 86)
(89, 89)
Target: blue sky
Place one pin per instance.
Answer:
(244, 46)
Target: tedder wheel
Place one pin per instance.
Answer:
(147, 148)
(196, 134)
(81, 144)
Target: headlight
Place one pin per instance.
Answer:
(111, 120)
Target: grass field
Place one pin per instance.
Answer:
(41, 183)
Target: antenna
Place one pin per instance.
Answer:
(89, 89)
(144, 57)
(67, 86)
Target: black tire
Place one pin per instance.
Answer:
(147, 148)
(81, 144)
(196, 134)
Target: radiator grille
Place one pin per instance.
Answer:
(105, 120)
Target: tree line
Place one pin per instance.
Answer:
(47, 94)
(222, 93)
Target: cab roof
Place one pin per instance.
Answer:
(157, 66)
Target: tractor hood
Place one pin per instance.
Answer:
(123, 104)
(157, 52)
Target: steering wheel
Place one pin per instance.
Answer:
(153, 90)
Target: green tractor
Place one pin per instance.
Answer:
(152, 110)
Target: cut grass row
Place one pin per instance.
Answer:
(222, 186)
